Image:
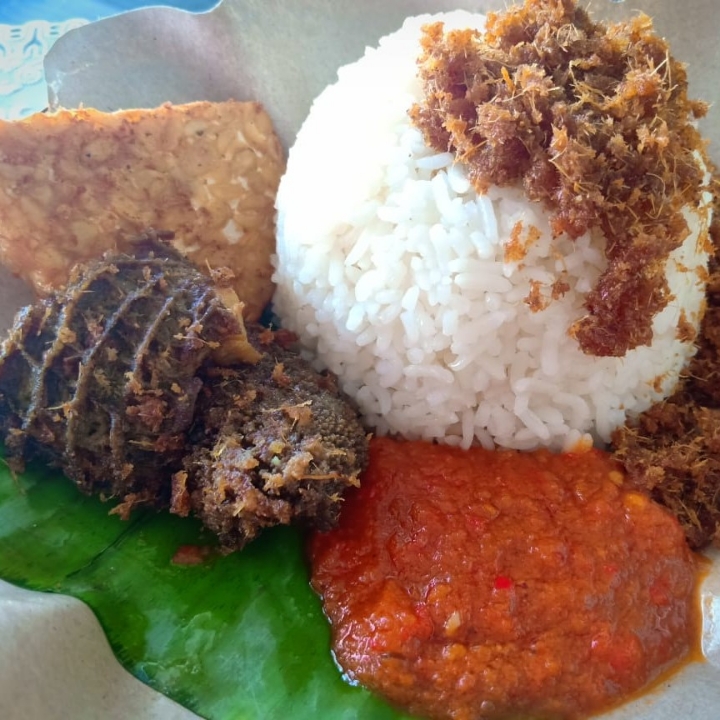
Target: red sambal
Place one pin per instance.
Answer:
(478, 584)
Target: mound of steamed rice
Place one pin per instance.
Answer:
(392, 271)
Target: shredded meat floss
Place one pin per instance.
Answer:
(595, 122)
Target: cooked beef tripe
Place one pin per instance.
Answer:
(100, 379)
(141, 382)
(275, 443)
(78, 182)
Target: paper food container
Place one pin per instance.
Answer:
(54, 660)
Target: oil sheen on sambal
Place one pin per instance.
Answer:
(477, 584)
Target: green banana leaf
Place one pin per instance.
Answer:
(240, 636)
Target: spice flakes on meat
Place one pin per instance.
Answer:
(274, 443)
(113, 378)
(595, 122)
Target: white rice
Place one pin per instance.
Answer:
(391, 269)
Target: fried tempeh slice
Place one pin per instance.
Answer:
(76, 183)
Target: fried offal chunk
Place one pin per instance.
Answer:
(275, 443)
(100, 379)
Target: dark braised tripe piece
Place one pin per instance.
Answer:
(140, 381)
(595, 122)
(100, 380)
(673, 449)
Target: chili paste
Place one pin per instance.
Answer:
(479, 584)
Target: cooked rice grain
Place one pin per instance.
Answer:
(418, 293)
